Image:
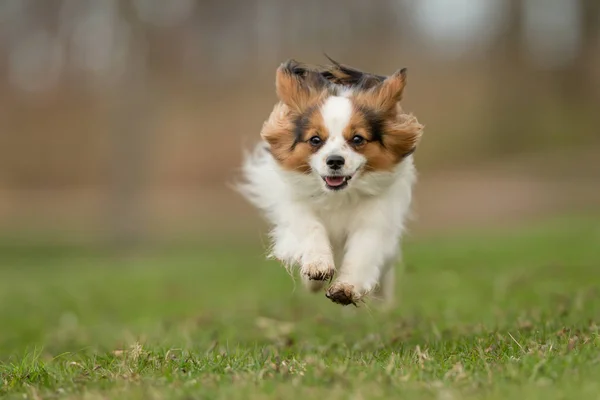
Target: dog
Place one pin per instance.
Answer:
(334, 175)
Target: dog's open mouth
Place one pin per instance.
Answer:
(336, 182)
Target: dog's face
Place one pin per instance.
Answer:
(338, 134)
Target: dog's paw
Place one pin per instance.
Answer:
(318, 271)
(343, 293)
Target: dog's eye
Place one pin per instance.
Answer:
(315, 141)
(357, 140)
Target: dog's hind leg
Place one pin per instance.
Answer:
(384, 294)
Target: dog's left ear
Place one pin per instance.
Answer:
(297, 86)
(386, 95)
(402, 135)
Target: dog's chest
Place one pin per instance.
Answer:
(339, 222)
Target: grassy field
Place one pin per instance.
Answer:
(492, 315)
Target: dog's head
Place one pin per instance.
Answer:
(339, 132)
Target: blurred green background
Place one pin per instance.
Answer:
(122, 129)
(124, 122)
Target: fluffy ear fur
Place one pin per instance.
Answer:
(387, 94)
(403, 134)
(278, 131)
(278, 128)
(297, 86)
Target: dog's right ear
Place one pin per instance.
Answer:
(297, 86)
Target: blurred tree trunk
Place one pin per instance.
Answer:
(510, 99)
(577, 84)
(132, 114)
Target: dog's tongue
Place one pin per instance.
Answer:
(334, 180)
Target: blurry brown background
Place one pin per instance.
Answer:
(126, 120)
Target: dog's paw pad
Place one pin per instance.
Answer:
(342, 293)
(318, 272)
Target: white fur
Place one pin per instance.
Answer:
(336, 112)
(356, 230)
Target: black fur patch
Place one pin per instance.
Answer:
(354, 78)
(334, 78)
(307, 77)
(375, 123)
(301, 125)
(408, 153)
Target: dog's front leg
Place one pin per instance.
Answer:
(369, 250)
(301, 239)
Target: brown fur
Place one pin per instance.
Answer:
(278, 131)
(346, 75)
(400, 132)
(400, 138)
(299, 89)
(302, 91)
(384, 97)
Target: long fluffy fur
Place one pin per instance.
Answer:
(353, 233)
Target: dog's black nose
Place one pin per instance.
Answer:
(335, 162)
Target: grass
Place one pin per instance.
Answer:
(494, 315)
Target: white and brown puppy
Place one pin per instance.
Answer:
(334, 176)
